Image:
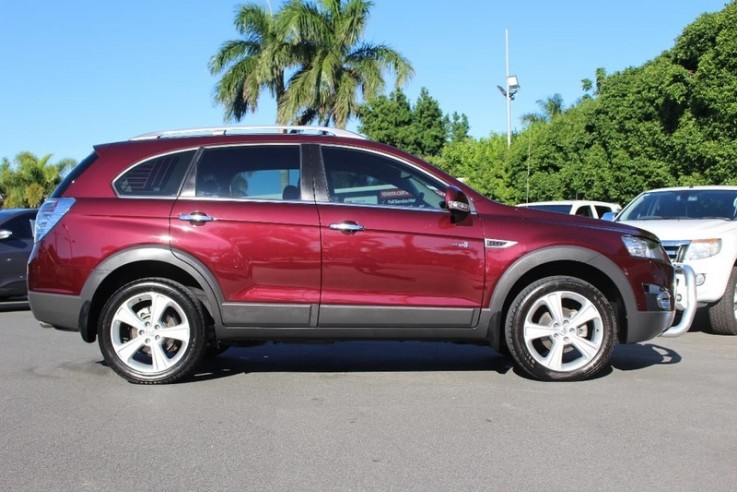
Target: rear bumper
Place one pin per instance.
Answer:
(60, 311)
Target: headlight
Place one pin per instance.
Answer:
(703, 248)
(645, 248)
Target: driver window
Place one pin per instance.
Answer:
(366, 178)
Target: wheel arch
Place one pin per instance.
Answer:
(137, 263)
(586, 264)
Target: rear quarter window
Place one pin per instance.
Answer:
(160, 176)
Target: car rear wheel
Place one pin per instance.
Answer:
(723, 314)
(561, 329)
(152, 332)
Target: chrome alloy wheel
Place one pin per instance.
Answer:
(150, 332)
(563, 331)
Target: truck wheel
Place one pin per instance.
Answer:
(561, 329)
(152, 332)
(723, 314)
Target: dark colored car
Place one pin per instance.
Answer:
(175, 245)
(16, 242)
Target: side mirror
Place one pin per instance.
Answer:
(5, 234)
(609, 216)
(456, 202)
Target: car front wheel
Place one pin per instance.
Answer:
(561, 329)
(152, 332)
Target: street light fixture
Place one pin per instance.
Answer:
(512, 86)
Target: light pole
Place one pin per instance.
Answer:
(512, 86)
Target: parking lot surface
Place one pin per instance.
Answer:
(365, 416)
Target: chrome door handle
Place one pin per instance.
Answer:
(348, 227)
(196, 217)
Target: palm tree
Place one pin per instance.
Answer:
(320, 46)
(28, 180)
(252, 64)
(550, 108)
(335, 63)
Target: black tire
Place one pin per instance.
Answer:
(152, 331)
(723, 314)
(543, 335)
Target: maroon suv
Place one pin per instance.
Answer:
(175, 245)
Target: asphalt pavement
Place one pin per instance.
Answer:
(365, 416)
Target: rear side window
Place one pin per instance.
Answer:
(160, 176)
(259, 172)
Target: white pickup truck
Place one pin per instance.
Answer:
(697, 227)
(584, 208)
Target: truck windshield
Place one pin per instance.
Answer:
(683, 204)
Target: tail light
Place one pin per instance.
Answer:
(50, 214)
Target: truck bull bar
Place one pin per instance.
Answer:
(685, 300)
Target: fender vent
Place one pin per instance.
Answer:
(498, 243)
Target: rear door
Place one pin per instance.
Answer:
(246, 217)
(391, 254)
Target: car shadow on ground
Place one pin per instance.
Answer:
(631, 357)
(387, 356)
(642, 355)
(371, 356)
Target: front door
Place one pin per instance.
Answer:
(392, 256)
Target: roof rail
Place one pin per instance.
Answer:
(240, 130)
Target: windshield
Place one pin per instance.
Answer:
(683, 204)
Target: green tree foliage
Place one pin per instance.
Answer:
(388, 119)
(458, 127)
(321, 45)
(28, 180)
(549, 109)
(428, 125)
(480, 163)
(669, 122)
(421, 129)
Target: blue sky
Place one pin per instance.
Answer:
(81, 72)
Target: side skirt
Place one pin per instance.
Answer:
(358, 323)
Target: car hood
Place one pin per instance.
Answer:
(554, 219)
(679, 229)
